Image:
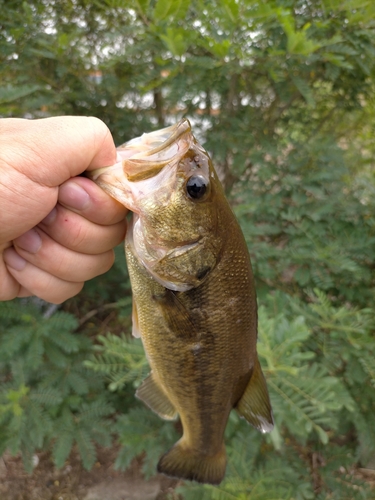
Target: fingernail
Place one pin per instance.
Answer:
(50, 217)
(30, 241)
(73, 196)
(13, 260)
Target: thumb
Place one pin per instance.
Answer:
(51, 150)
(36, 156)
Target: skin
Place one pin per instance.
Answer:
(57, 230)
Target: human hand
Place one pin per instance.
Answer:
(56, 230)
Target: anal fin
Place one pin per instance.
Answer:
(254, 404)
(155, 398)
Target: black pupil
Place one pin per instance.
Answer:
(196, 186)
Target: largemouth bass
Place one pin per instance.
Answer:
(194, 301)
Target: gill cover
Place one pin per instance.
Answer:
(164, 177)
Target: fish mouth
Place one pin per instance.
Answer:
(145, 156)
(153, 143)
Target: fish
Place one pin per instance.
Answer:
(194, 298)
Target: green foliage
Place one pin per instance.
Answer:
(281, 94)
(305, 397)
(46, 395)
(142, 432)
(121, 359)
(256, 472)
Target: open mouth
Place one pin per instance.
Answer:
(154, 143)
(144, 156)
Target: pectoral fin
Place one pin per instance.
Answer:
(254, 404)
(176, 316)
(155, 398)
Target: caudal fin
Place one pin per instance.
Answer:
(184, 463)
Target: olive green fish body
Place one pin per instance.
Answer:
(194, 305)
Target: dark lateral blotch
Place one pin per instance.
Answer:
(202, 273)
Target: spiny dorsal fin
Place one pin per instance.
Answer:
(155, 398)
(254, 404)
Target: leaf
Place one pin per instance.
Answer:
(121, 359)
(297, 41)
(312, 398)
(280, 342)
(11, 93)
(142, 5)
(86, 448)
(140, 430)
(169, 8)
(305, 90)
(176, 40)
(220, 49)
(231, 8)
(62, 447)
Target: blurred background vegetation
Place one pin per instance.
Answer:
(281, 93)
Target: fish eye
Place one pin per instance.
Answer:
(197, 186)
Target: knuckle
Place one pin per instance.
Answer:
(58, 295)
(8, 295)
(79, 237)
(99, 129)
(9, 286)
(110, 259)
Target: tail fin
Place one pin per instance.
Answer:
(184, 463)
